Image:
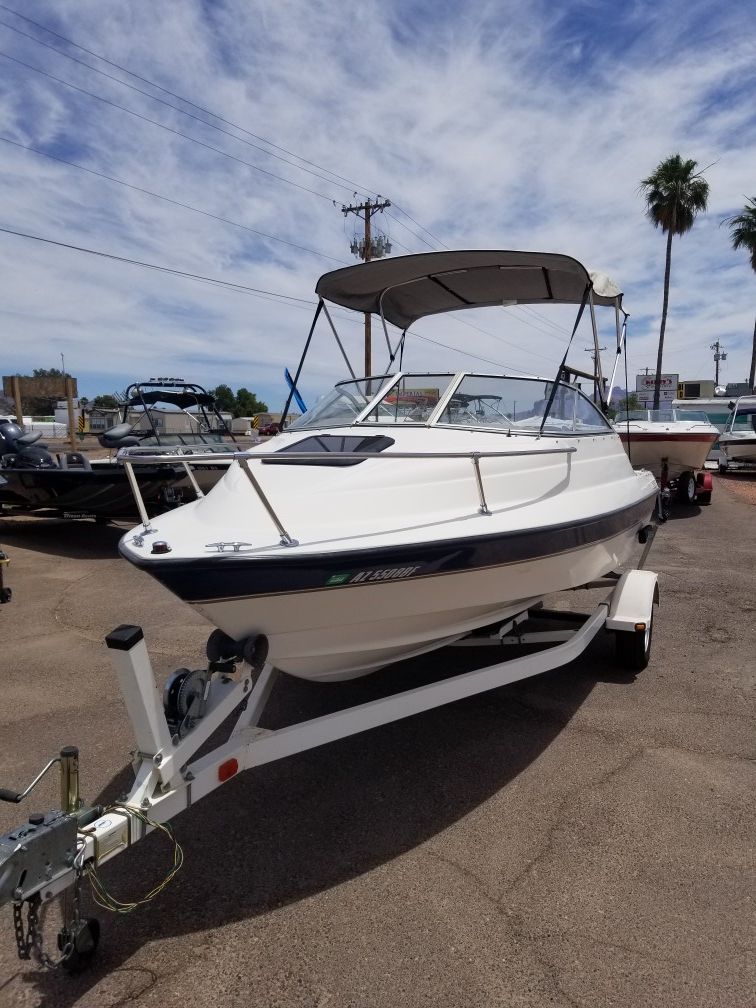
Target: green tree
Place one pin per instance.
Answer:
(674, 194)
(105, 402)
(743, 234)
(247, 404)
(225, 399)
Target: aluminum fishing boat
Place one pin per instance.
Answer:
(406, 510)
(72, 485)
(738, 440)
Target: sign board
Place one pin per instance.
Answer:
(644, 387)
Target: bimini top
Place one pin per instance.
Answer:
(407, 288)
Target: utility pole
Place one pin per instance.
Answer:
(592, 352)
(367, 250)
(718, 356)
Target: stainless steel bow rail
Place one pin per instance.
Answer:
(282, 458)
(52, 854)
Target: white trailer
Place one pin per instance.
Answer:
(52, 854)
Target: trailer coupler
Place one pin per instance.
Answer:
(37, 861)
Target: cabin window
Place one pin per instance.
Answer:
(327, 444)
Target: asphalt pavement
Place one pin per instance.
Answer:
(581, 839)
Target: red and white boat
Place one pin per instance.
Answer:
(674, 445)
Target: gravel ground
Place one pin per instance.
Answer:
(742, 484)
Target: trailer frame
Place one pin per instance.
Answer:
(51, 854)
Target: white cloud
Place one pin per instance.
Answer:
(495, 125)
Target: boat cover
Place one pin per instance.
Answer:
(407, 288)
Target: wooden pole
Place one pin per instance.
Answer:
(71, 422)
(17, 397)
(368, 332)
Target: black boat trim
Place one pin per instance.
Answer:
(231, 576)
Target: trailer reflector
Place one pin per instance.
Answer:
(227, 770)
(640, 627)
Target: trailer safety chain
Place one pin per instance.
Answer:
(106, 899)
(29, 939)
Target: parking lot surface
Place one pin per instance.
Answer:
(581, 839)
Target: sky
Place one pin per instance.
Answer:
(232, 132)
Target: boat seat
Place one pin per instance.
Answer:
(30, 438)
(116, 437)
(74, 460)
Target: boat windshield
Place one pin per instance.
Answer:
(341, 406)
(411, 399)
(743, 420)
(488, 401)
(491, 402)
(520, 404)
(695, 416)
(662, 416)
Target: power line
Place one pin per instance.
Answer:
(168, 199)
(153, 266)
(500, 339)
(429, 233)
(169, 129)
(165, 90)
(335, 177)
(170, 105)
(413, 233)
(241, 288)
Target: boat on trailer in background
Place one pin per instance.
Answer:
(439, 509)
(673, 444)
(738, 440)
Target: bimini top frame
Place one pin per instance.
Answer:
(407, 288)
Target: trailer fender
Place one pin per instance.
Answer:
(704, 482)
(632, 601)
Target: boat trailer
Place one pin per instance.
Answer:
(50, 855)
(690, 487)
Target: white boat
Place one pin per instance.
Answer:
(404, 511)
(738, 441)
(672, 443)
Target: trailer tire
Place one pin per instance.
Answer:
(633, 647)
(686, 488)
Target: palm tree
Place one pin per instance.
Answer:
(743, 234)
(674, 194)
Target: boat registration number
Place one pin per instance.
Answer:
(367, 576)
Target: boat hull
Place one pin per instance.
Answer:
(739, 449)
(685, 452)
(332, 617)
(100, 491)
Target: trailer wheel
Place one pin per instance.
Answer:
(633, 647)
(686, 488)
